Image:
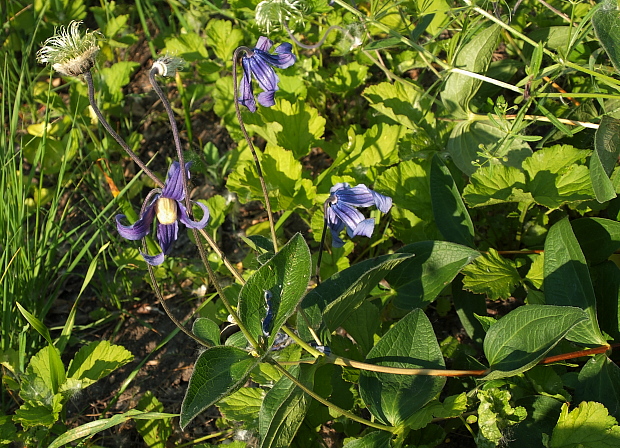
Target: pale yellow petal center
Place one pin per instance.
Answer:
(166, 210)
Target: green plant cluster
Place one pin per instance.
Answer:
(483, 310)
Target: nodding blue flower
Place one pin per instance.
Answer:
(259, 63)
(340, 211)
(167, 205)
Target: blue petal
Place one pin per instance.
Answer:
(286, 58)
(194, 224)
(383, 203)
(365, 228)
(153, 260)
(263, 44)
(348, 214)
(166, 235)
(264, 74)
(246, 92)
(173, 187)
(359, 196)
(336, 240)
(266, 98)
(140, 228)
(339, 186)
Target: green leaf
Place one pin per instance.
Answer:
(115, 78)
(286, 276)
(32, 414)
(362, 324)
(223, 38)
(449, 211)
(189, 46)
(605, 21)
(567, 280)
(346, 78)
(604, 158)
(420, 279)
(44, 376)
(36, 323)
(589, 425)
(92, 428)
(496, 184)
(243, 405)
(495, 414)
(452, 406)
(557, 175)
(474, 56)
(400, 102)
(155, 432)
(377, 439)
(606, 279)
(523, 337)
(598, 238)
(493, 275)
(467, 305)
(599, 380)
(283, 177)
(275, 123)
(284, 408)
(410, 343)
(468, 136)
(8, 431)
(542, 415)
(536, 274)
(218, 372)
(207, 330)
(97, 360)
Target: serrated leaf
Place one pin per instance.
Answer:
(207, 330)
(189, 46)
(377, 439)
(243, 405)
(284, 408)
(567, 280)
(605, 21)
(495, 414)
(467, 137)
(223, 38)
(283, 177)
(115, 78)
(493, 275)
(604, 158)
(346, 78)
(97, 360)
(521, 338)
(43, 377)
(589, 425)
(286, 276)
(293, 126)
(31, 414)
(536, 274)
(411, 343)
(474, 56)
(400, 102)
(420, 279)
(599, 380)
(155, 432)
(450, 213)
(8, 431)
(598, 238)
(542, 415)
(218, 372)
(496, 184)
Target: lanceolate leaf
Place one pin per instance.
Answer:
(286, 277)
(605, 157)
(284, 408)
(606, 20)
(567, 280)
(520, 339)
(218, 372)
(449, 211)
(411, 343)
(599, 238)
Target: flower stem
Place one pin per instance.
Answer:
(322, 245)
(91, 97)
(236, 54)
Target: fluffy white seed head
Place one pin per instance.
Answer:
(270, 14)
(69, 52)
(168, 65)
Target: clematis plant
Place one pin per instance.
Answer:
(167, 205)
(340, 211)
(259, 63)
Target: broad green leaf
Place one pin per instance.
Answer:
(420, 279)
(536, 275)
(8, 431)
(91, 428)
(346, 78)
(495, 414)
(599, 380)
(598, 238)
(606, 280)
(377, 439)
(189, 46)
(452, 406)
(44, 376)
(218, 372)
(605, 21)
(567, 280)
(362, 324)
(523, 337)
(449, 211)
(350, 285)
(31, 414)
(557, 175)
(286, 276)
(604, 158)
(437, 10)
(467, 137)
(496, 184)
(284, 408)
(155, 432)
(97, 360)
(467, 305)
(243, 405)
(207, 330)
(115, 78)
(542, 415)
(283, 176)
(293, 126)
(410, 343)
(400, 102)
(223, 38)
(589, 425)
(493, 275)
(342, 301)
(474, 56)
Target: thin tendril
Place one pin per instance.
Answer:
(320, 42)
(91, 98)
(251, 145)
